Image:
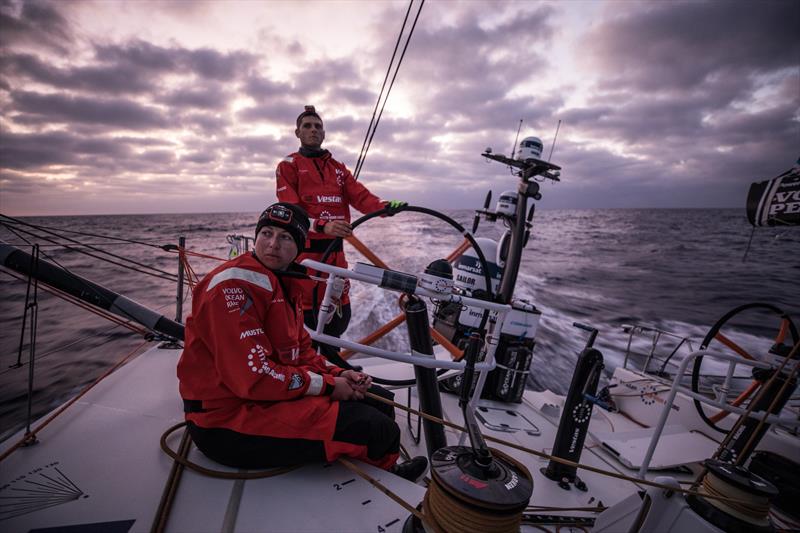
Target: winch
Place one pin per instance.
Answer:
(473, 488)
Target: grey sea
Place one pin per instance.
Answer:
(675, 269)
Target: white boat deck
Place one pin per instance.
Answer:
(100, 463)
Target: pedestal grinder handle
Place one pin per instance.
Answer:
(482, 455)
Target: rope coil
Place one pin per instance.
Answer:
(734, 501)
(447, 511)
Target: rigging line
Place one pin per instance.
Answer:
(380, 95)
(64, 407)
(76, 249)
(186, 251)
(381, 487)
(543, 455)
(82, 244)
(555, 137)
(79, 279)
(41, 227)
(69, 299)
(394, 76)
(134, 327)
(60, 348)
(70, 247)
(24, 319)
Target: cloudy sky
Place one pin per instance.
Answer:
(151, 107)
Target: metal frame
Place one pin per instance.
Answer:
(657, 334)
(496, 320)
(676, 386)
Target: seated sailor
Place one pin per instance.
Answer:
(255, 393)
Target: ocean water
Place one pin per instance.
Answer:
(675, 269)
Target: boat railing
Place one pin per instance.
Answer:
(656, 340)
(180, 282)
(733, 361)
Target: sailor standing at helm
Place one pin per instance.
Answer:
(325, 188)
(255, 393)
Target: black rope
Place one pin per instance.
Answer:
(160, 273)
(397, 69)
(380, 95)
(46, 228)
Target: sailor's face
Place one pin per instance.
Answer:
(311, 132)
(275, 247)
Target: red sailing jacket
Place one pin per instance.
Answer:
(249, 359)
(326, 190)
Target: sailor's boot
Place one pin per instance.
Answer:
(412, 469)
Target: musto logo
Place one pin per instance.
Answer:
(258, 362)
(251, 333)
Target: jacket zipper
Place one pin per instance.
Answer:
(321, 175)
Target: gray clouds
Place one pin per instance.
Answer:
(204, 63)
(683, 104)
(37, 24)
(681, 46)
(40, 108)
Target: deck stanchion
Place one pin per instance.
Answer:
(179, 299)
(30, 438)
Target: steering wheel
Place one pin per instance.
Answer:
(716, 335)
(389, 211)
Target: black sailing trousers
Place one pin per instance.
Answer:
(364, 422)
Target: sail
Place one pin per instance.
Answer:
(776, 202)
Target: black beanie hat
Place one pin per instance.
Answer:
(308, 112)
(290, 217)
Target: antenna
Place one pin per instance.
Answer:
(553, 146)
(514, 148)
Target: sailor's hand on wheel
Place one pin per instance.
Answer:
(338, 228)
(393, 205)
(342, 390)
(359, 381)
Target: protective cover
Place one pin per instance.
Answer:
(776, 202)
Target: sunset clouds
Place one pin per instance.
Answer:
(175, 106)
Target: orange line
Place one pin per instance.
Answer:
(197, 254)
(72, 401)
